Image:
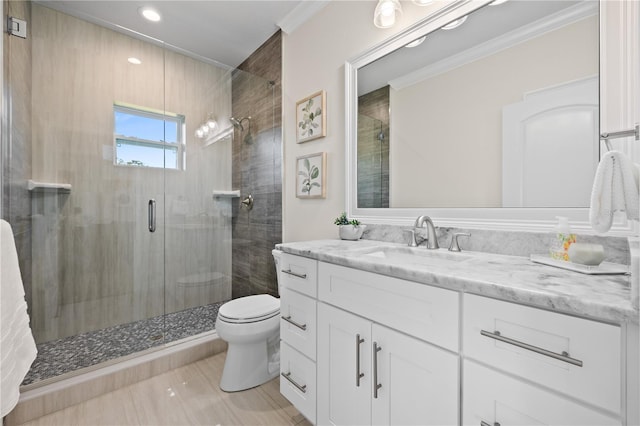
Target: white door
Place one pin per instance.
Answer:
(550, 146)
(419, 382)
(344, 368)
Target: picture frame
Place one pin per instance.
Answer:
(311, 175)
(311, 117)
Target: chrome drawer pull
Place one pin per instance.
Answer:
(292, 322)
(562, 357)
(376, 385)
(288, 272)
(483, 423)
(359, 375)
(301, 388)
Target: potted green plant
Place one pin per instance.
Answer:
(349, 229)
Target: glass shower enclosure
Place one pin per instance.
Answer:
(118, 184)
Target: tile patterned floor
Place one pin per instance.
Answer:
(61, 356)
(188, 395)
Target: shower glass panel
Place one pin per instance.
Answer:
(99, 284)
(373, 162)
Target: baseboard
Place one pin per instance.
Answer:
(40, 399)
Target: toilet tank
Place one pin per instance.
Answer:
(277, 257)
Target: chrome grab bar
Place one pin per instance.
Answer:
(376, 385)
(359, 375)
(292, 322)
(288, 272)
(152, 215)
(301, 388)
(564, 356)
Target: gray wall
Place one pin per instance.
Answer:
(257, 170)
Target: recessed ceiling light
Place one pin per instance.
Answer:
(149, 14)
(455, 24)
(134, 61)
(415, 43)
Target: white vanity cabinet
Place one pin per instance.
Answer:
(540, 367)
(370, 373)
(298, 276)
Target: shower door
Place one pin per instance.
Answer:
(98, 125)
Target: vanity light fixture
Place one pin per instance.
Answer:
(149, 14)
(134, 60)
(416, 42)
(385, 13)
(205, 128)
(455, 24)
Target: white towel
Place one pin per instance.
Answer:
(17, 347)
(615, 188)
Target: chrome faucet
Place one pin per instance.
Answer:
(432, 239)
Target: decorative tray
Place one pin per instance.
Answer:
(605, 268)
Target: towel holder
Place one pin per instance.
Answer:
(606, 136)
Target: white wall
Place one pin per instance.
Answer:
(313, 59)
(458, 117)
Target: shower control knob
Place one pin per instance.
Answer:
(247, 202)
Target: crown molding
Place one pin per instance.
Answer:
(301, 14)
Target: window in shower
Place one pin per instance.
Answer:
(147, 138)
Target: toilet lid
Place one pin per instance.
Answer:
(250, 308)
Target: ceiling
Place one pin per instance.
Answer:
(224, 31)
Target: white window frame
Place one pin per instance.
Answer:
(156, 115)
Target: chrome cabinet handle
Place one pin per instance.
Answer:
(301, 388)
(564, 356)
(483, 423)
(359, 375)
(292, 322)
(303, 276)
(376, 385)
(152, 215)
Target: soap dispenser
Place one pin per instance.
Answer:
(563, 238)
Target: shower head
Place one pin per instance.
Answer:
(237, 122)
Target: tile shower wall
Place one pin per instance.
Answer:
(98, 265)
(16, 144)
(257, 163)
(373, 149)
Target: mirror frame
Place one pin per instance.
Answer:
(509, 219)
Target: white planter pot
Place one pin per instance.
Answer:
(351, 232)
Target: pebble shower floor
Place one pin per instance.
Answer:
(71, 353)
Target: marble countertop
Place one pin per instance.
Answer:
(512, 278)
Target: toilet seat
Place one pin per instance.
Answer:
(249, 309)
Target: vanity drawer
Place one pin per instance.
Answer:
(490, 397)
(594, 345)
(426, 312)
(298, 322)
(300, 274)
(298, 381)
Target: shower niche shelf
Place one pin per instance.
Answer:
(49, 187)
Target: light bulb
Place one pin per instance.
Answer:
(211, 123)
(205, 129)
(199, 133)
(455, 24)
(386, 12)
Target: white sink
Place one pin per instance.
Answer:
(413, 256)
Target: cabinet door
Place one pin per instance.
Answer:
(419, 382)
(344, 369)
(491, 397)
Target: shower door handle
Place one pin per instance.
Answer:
(152, 215)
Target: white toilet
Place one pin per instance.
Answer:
(251, 327)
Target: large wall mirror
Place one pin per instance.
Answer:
(484, 114)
